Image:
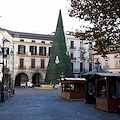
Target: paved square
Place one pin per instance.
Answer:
(36, 104)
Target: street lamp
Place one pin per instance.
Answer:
(79, 62)
(97, 65)
(2, 53)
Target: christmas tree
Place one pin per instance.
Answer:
(59, 60)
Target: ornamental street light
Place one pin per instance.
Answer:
(97, 65)
(2, 53)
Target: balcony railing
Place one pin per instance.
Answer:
(82, 48)
(21, 67)
(73, 58)
(76, 70)
(31, 54)
(106, 67)
(37, 68)
(72, 47)
(90, 60)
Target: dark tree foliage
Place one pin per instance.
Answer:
(105, 17)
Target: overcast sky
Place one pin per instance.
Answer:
(36, 16)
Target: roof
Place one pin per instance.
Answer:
(30, 35)
(100, 70)
(74, 80)
(78, 79)
(108, 74)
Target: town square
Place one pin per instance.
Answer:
(67, 74)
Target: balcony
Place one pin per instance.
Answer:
(21, 67)
(90, 60)
(37, 68)
(72, 47)
(90, 49)
(73, 58)
(32, 54)
(76, 70)
(82, 48)
(106, 67)
(6, 70)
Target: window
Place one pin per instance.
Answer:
(42, 51)
(90, 66)
(81, 67)
(32, 63)
(72, 56)
(49, 51)
(72, 44)
(90, 57)
(33, 50)
(42, 63)
(114, 89)
(106, 63)
(72, 66)
(33, 40)
(117, 62)
(81, 56)
(22, 40)
(21, 49)
(43, 41)
(6, 51)
(101, 88)
(21, 63)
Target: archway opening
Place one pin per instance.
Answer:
(21, 77)
(36, 79)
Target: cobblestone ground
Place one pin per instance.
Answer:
(35, 104)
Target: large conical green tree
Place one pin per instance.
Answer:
(59, 60)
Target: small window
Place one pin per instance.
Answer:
(72, 44)
(51, 42)
(33, 40)
(21, 39)
(42, 63)
(43, 41)
(106, 62)
(101, 88)
(32, 63)
(117, 62)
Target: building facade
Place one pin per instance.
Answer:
(81, 55)
(31, 56)
(111, 62)
(6, 63)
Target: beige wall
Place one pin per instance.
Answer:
(111, 58)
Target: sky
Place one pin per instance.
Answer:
(35, 16)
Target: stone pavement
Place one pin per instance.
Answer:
(37, 104)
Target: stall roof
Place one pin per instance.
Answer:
(100, 70)
(78, 79)
(106, 75)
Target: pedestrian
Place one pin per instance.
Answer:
(53, 85)
(26, 85)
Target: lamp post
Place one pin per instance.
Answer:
(79, 62)
(97, 65)
(82, 60)
(2, 86)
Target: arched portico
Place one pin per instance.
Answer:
(36, 78)
(21, 77)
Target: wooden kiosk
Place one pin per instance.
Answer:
(90, 85)
(107, 91)
(73, 88)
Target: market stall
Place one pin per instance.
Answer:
(107, 91)
(73, 88)
(90, 85)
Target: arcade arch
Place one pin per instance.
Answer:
(21, 77)
(36, 78)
